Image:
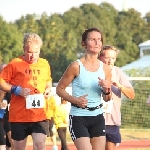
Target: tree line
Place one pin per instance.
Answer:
(61, 34)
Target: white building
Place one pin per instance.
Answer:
(144, 60)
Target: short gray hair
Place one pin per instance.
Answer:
(29, 37)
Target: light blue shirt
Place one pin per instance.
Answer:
(87, 83)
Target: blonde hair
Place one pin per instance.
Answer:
(108, 47)
(30, 37)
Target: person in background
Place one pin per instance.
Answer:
(90, 78)
(2, 132)
(7, 126)
(51, 102)
(6, 123)
(28, 79)
(61, 119)
(120, 84)
(3, 106)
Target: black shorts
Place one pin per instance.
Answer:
(113, 134)
(7, 126)
(20, 130)
(86, 126)
(8, 144)
(2, 133)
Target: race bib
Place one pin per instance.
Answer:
(35, 101)
(107, 106)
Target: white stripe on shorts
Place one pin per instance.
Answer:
(71, 129)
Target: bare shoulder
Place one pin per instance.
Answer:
(74, 64)
(71, 72)
(73, 67)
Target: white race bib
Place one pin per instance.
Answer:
(35, 101)
(107, 106)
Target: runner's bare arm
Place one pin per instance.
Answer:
(123, 85)
(71, 72)
(48, 85)
(127, 91)
(4, 86)
(108, 76)
(2, 94)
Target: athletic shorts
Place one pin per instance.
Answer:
(86, 126)
(2, 133)
(113, 134)
(8, 144)
(20, 130)
(7, 126)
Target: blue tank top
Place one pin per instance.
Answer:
(87, 83)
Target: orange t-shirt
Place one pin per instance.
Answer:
(33, 76)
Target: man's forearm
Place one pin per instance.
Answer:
(4, 86)
(49, 85)
(2, 94)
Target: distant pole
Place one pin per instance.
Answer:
(106, 1)
(124, 6)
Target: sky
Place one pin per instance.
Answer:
(12, 10)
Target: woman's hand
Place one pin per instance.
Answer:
(115, 83)
(3, 105)
(104, 84)
(82, 101)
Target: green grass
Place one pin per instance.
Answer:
(135, 134)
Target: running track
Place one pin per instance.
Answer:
(126, 145)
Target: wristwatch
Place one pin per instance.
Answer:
(105, 93)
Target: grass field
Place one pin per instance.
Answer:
(127, 135)
(135, 134)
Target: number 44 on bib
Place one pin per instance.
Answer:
(35, 101)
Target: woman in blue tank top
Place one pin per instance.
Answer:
(90, 79)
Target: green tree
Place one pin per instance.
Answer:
(28, 23)
(10, 43)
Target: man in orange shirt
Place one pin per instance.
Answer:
(28, 78)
